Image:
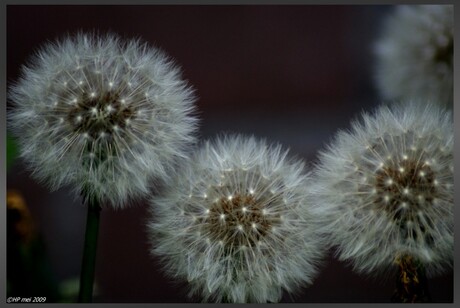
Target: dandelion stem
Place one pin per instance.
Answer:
(411, 283)
(89, 253)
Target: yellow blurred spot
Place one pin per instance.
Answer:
(24, 225)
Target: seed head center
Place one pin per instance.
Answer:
(444, 54)
(240, 220)
(404, 189)
(100, 115)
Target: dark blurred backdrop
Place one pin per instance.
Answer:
(291, 74)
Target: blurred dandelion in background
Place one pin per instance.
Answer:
(237, 224)
(414, 56)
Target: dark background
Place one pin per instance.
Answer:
(291, 74)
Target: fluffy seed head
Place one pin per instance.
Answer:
(103, 114)
(237, 224)
(415, 54)
(386, 188)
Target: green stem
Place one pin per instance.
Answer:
(89, 253)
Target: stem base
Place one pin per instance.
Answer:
(411, 283)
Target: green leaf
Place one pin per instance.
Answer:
(11, 150)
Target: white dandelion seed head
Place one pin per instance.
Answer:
(78, 122)
(259, 243)
(371, 223)
(415, 54)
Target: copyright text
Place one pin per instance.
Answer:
(19, 299)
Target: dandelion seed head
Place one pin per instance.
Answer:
(368, 222)
(250, 229)
(95, 140)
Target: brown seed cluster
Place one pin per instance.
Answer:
(405, 188)
(240, 220)
(403, 191)
(95, 107)
(100, 114)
